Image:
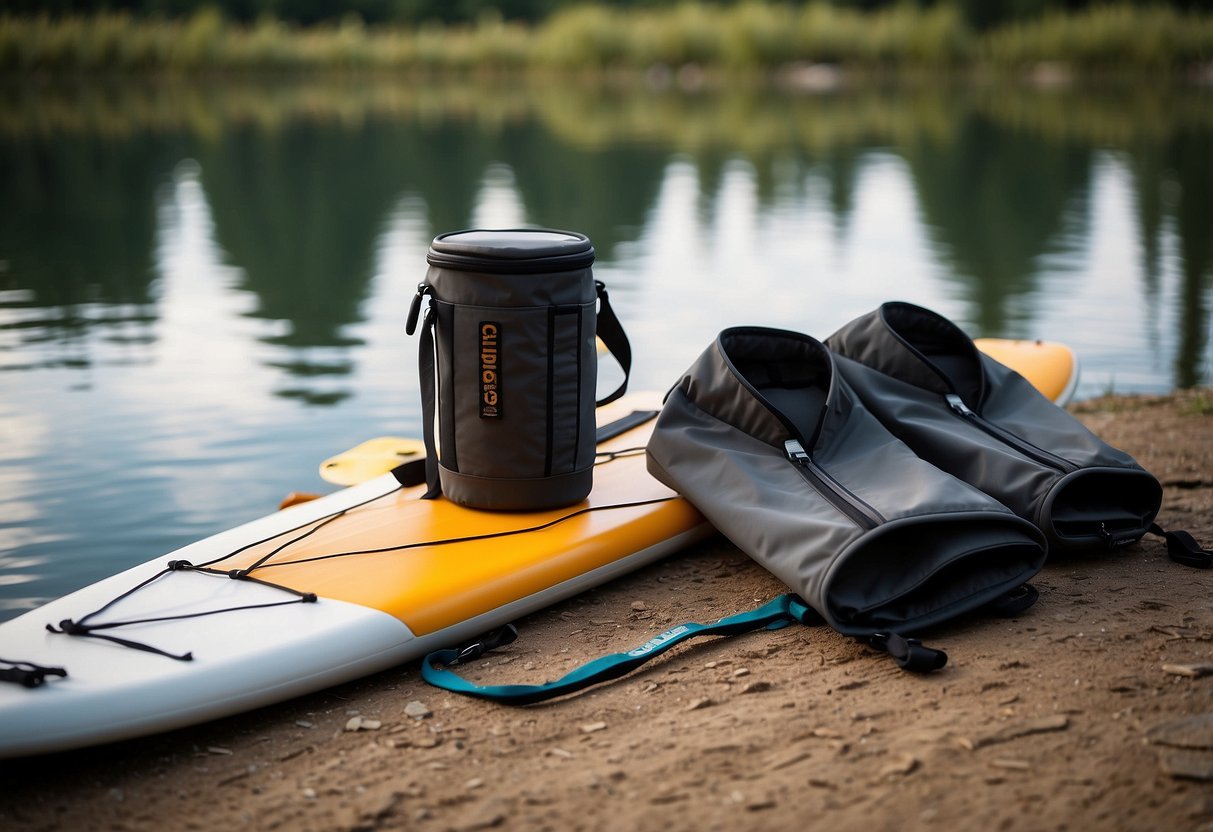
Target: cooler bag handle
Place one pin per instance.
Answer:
(608, 329)
(616, 341)
(429, 394)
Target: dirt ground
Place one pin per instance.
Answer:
(1088, 712)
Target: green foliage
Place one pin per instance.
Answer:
(1154, 37)
(743, 37)
(1200, 403)
(750, 35)
(902, 34)
(585, 36)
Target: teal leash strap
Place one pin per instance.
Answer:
(773, 615)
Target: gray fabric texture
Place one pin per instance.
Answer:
(870, 536)
(1014, 444)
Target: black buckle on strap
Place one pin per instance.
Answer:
(909, 653)
(28, 674)
(1011, 604)
(491, 640)
(1183, 548)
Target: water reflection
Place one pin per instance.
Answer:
(996, 203)
(299, 211)
(1188, 156)
(301, 183)
(77, 224)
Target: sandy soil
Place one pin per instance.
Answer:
(1060, 719)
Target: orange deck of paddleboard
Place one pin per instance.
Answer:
(1050, 367)
(401, 568)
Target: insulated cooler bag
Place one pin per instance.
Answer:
(982, 422)
(508, 362)
(766, 438)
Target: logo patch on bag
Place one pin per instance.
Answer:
(490, 370)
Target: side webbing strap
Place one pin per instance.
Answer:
(777, 613)
(429, 394)
(616, 340)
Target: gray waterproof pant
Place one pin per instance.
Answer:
(764, 435)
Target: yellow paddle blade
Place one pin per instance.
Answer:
(297, 497)
(1050, 367)
(370, 459)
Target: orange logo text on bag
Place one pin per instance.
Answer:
(490, 370)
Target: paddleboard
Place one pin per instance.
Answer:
(393, 577)
(1050, 367)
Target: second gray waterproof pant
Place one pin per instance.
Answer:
(927, 382)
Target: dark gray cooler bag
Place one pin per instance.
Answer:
(983, 422)
(769, 442)
(508, 362)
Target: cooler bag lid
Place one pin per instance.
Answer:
(511, 250)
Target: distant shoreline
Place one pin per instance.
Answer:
(683, 44)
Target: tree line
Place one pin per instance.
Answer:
(979, 14)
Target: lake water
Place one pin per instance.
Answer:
(203, 289)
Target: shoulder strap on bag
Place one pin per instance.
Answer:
(616, 340)
(429, 391)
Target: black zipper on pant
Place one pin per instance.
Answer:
(835, 492)
(1007, 438)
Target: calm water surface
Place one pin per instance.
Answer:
(202, 290)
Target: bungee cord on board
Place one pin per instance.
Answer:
(84, 627)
